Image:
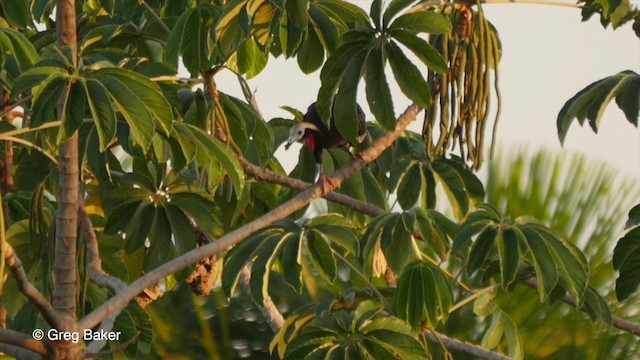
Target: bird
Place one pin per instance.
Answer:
(317, 137)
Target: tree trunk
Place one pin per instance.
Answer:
(64, 264)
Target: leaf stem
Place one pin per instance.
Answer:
(472, 297)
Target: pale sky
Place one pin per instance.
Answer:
(548, 56)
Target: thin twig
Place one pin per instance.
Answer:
(11, 134)
(33, 146)
(617, 322)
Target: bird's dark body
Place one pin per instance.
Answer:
(328, 138)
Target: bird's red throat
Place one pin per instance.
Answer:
(310, 141)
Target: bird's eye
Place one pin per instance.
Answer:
(299, 132)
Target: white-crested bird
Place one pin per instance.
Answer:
(317, 137)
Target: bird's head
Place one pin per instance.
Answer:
(299, 132)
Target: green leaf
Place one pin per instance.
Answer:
(398, 245)
(296, 24)
(394, 7)
(198, 208)
(466, 233)
(509, 255)
(291, 262)
(409, 78)
(454, 186)
(570, 262)
(423, 295)
(161, 248)
(626, 259)
(597, 307)
(325, 29)
(183, 234)
(261, 268)
(321, 256)
(481, 247)
(145, 94)
(543, 261)
(377, 89)
(139, 227)
(591, 102)
(409, 187)
(217, 151)
(376, 13)
(74, 110)
(194, 43)
(34, 77)
(311, 53)
(16, 13)
(104, 116)
(421, 49)
(236, 259)
(634, 217)
(345, 106)
(425, 21)
(17, 45)
(331, 75)
(45, 99)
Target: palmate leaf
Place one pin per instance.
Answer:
(423, 295)
(363, 333)
(556, 261)
(45, 98)
(591, 102)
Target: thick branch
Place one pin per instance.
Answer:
(457, 345)
(30, 291)
(18, 352)
(618, 322)
(23, 341)
(298, 202)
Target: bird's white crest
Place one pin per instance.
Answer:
(297, 132)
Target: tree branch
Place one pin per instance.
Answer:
(617, 322)
(274, 178)
(464, 347)
(119, 301)
(30, 291)
(21, 340)
(18, 352)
